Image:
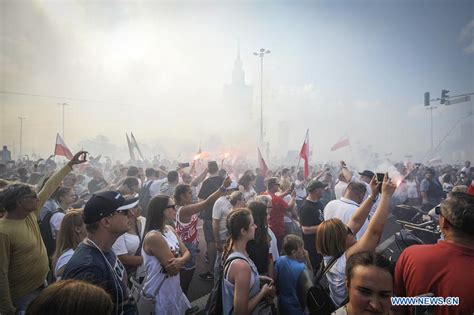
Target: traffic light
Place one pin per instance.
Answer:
(444, 96)
(427, 98)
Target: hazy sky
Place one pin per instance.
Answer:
(339, 68)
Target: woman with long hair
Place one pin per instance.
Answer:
(186, 224)
(71, 234)
(259, 247)
(267, 201)
(336, 241)
(164, 254)
(241, 292)
(65, 197)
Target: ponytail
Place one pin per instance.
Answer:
(227, 249)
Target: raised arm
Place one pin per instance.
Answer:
(360, 215)
(198, 179)
(187, 211)
(174, 264)
(53, 182)
(371, 237)
(155, 244)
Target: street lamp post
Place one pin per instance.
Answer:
(21, 133)
(261, 54)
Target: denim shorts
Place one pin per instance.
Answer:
(193, 250)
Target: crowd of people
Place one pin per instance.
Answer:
(102, 238)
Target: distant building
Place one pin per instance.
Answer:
(238, 95)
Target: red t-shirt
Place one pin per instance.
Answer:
(445, 269)
(277, 214)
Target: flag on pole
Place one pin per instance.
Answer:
(135, 145)
(61, 148)
(304, 154)
(130, 148)
(340, 144)
(263, 166)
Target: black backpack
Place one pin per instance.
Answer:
(318, 299)
(144, 198)
(214, 304)
(47, 234)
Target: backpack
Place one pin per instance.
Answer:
(214, 305)
(144, 198)
(47, 234)
(318, 299)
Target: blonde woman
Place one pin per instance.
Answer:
(71, 233)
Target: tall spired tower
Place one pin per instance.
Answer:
(237, 95)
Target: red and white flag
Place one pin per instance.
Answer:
(263, 166)
(304, 154)
(61, 148)
(340, 144)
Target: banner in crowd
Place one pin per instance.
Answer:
(263, 166)
(340, 144)
(61, 148)
(304, 154)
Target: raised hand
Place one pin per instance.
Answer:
(388, 187)
(79, 158)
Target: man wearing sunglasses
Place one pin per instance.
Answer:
(23, 257)
(106, 216)
(446, 268)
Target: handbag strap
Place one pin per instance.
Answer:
(139, 229)
(328, 267)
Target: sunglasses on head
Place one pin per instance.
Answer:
(171, 206)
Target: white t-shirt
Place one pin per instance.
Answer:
(273, 245)
(127, 244)
(411, 189)
(343, 209)
(55, 223)
(155, 187)
(337, 279)
(220, 211)
(300, 190)
(62, 261)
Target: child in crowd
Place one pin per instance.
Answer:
(287, 272)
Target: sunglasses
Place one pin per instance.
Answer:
(124, 212)
(349, 231)
(171, 206)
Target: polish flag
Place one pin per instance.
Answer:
(340, 144)
(61, 148)
(304, 154)
(263, 166)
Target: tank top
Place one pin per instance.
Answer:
(187, 232)
(228, 287)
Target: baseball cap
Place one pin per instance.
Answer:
(105, 203)
(312, 185)
(367, 173)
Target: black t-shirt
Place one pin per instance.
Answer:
(258, 252)
(311, 214)
(88, 264)
(208, 187)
